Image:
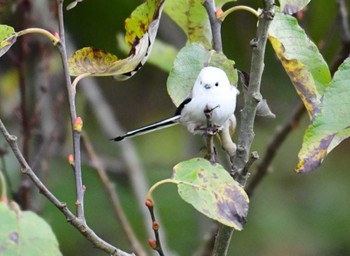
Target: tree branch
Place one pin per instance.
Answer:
(71, 98)
(78, 223)
(251, 98)
(215, 25)
(253, 95)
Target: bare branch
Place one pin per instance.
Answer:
(78, 223)
(215, 25)
(71, 99)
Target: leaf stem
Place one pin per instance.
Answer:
(41, 31)
(223, 15)
(157, 184)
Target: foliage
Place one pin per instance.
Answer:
(208, 187)
(17, 236)
(211, 190)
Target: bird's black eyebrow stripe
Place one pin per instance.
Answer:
(181, 106)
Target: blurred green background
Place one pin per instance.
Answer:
(290, 214)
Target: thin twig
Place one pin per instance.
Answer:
(71, 98)
(71, 218)
(155, 244)
(253, 157)
(112, 193)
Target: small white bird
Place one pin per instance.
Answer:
(212, 92)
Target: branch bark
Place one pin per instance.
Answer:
(71, 99)
(78, 223)
(251, 100)
(215, 25)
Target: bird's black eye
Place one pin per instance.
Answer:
(200, 82)
(217, 84)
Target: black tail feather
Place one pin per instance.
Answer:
(149, 128)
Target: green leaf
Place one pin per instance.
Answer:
(162, 55)
(292, 6)
(8, 37)
(192, 18)
(212, 191)
(331, 124)
(301, 59)
(141, 30)
(25, 233)
(188, 63)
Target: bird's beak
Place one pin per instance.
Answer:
(207, 86)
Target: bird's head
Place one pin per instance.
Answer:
(212, 81)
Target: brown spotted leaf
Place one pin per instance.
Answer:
(331, 125)
(141, 30)
(162, 55)
(212, 191)
(301, 59)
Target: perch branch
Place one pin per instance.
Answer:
(252, 95)
(209, 134)
(252, 98)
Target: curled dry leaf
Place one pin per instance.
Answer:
(141, 31)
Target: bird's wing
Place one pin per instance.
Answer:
(181, 106)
